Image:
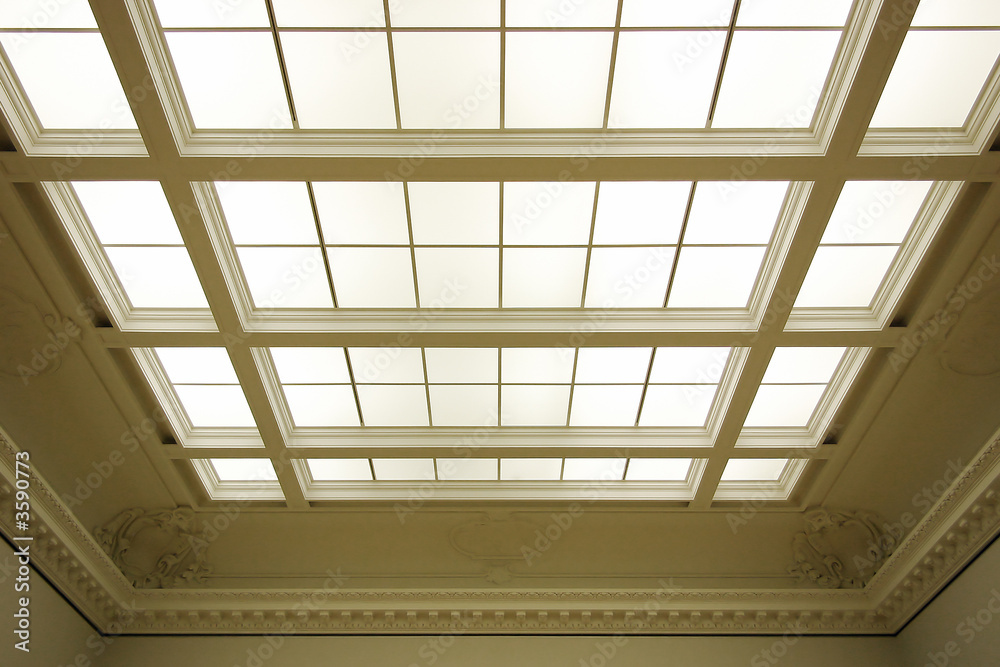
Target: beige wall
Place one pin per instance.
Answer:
(58, 633)
(961, 627)
(949, 624)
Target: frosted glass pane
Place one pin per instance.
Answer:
(403, 469)
(547, 213)
(210, 406)
(689, 364)
(204, 14)
(128, 212)
(794, 12)
(774, 79)
(157, 277)
(38, 14)
(543, 277)
(310, 365)
(444, 13)
(734, 213)
(715, 277)
(640, 213)
(197, 365)
(463, 405)
(267, 213)
(677, 405)
(937, 78)
(455, 213)
(230, 79)
(286, 277)
(453, 470)
(875, 211)
(362, 213)
(348, 73)
(534, 405)
(657, 86)
(612, 364)
(616, 405)
(628, 277)
(55, 67)
(957, 13)
(803, 364)
(461, 364)
(244, 470)
(658, 470)
(545, 88)
(448, 80)
(561, 14)
(393, 365)
(336, 470)
(657, 13)
(322, 405)
(845, 276)
(458, 277)
(530, 469)
(372, 277)
(754, 470)
(784, 405)
(536, 364)
(593, 470)
(323, 13)
(393, 404)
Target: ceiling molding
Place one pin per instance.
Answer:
(952, 533)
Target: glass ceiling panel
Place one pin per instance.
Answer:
(244, 470)
(310, 365)
(340, 469)
(774, 78)
(444, 13)
(53, 67)
(544, 88)
(322, 13)
(372, 277)
(530, 469)
(455, 213)
(197, 365)
(354, 212)
(548, 213)
(394, 405)
(656, 13)
(764, 470)
(957, 13)
(215, 406)
(543, 277)
(561, 14)
(361, 76)
(231, 80)
(403, 469)
(37, 14)
(534, 405)
(262, 213)
(157, 277)
(128, 212)
(649, 213)
(201, 14)
(771, 13)
(657, 470)
(448, 80)
(536, 365)
(937, 78)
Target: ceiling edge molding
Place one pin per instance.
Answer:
(964, 520)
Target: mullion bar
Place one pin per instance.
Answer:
(322, 242)
(680, 243)
(413, 250)
(614, 57)
(500, 252)
(392, 68)
(427, 386)
(572, 386)
(281, 63)
(645, 386)
(723, 61)
(590, 251)
(503, 77)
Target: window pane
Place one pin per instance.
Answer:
(467, 469)
(372, 277)
(715, 277)
(753, 470)
(403, 469)
(454, 364)
(530, 469)
(286, 277)
(677, 405)
(331, 470)
(547, 213)
(267, 213)
(628, 277)
(543, 277)
(393, 404)
(612, 364)
(128, 212)
(845, 276)
(803, 364)
(197, 365)
(215, 406)
(601, 405)
(310, 365)
(534, 405)
(463, 405)
(392, 365)
(322, 405)
(603, 470)
(455, 213)
(648, 213)
(458, 277)
(157, 277)
(538, 364)
(658, 470)
(244, 470)
(784, 405)
(362, 213)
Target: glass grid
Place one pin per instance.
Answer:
(483, 66)
(510, 245)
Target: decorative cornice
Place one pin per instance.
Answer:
(950, 535)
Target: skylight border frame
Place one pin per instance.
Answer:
(500, 491)
(70, 213)
(780, 490)
(811, 436)
(34, 140)
(935, 210)
(249, 490)
(792, 142)
(188, 435)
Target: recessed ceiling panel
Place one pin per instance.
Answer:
(734, 212)
(215, 406)
(202, 14)
(468, 469)
(629, 277)
(792, 365)
(715, 277)
(19, 14)
(658, 470)
(340, 470)
(322, 405)
(387, 365)
(677, 405)
(156, 277)
(794, 13)
(458, 277)
(403, 469)
(605, 405)
(845, 276)
(754, 470)
(689, 365)
(244, 470)
(461, 364)
(393, 404)
(286, 277)
(323, 14)
(604, 365)
(876, 211)
(197, 365)
(445, 13)
(561, 14)
(593, 470)
(647, 213)
(534, 405)
(310, 365)
(530, 469)
(957, 13)
(455, 213)
(536, 365)
(660, 14)
(778, 405)
(463, 405)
